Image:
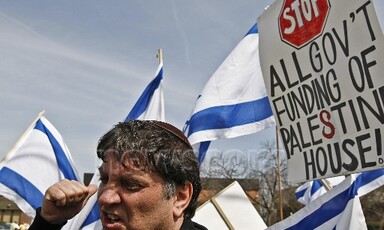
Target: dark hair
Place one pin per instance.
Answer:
(158, 147)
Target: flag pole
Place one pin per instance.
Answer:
(279, 174)
(159, 55)
(21, 138)
(326, 184)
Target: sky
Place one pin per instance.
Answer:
(85, 63)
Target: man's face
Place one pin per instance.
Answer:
(130, 198)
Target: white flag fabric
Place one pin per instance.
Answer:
(234, 101)
(311, 190)
(39, 159)
(339, 208)
(150, 105)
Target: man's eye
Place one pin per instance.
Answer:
(130, 185)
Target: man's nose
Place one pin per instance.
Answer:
(109, 195)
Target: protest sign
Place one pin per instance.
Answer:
(323, 66)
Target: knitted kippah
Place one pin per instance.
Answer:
(172, 129)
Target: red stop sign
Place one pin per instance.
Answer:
(300, 21)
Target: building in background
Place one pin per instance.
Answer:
(10, 213)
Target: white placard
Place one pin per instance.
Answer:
(323, 66)
(236, 211)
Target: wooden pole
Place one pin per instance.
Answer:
(160, 55)
(222, 214)
(279, 174)
(326, 185)
(18, 142)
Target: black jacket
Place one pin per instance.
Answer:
(188, 224)
(39, 223)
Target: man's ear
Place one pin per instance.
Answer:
(182, 198)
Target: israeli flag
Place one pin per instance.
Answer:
(234, 101)
(150, 105)
(311, 190)
(39, 159)
(339, 208)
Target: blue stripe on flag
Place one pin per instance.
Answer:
(203, 148)
(316, 185)
(143, 102)
(93, 216)
(327, 211)
(221, 117)
(62, 160)
(300, 193)
(337, 204)
(253, 30)
(369, 176)
(21, 186)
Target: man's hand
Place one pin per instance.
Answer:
(64, 200)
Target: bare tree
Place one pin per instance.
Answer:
(266, 171)
(263, 170)
(373, 206)
(223, 169)
(229, 165)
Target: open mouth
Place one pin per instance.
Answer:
(113, 218)
(111, 221)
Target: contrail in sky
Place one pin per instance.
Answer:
(24, 26)
(183, 34)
